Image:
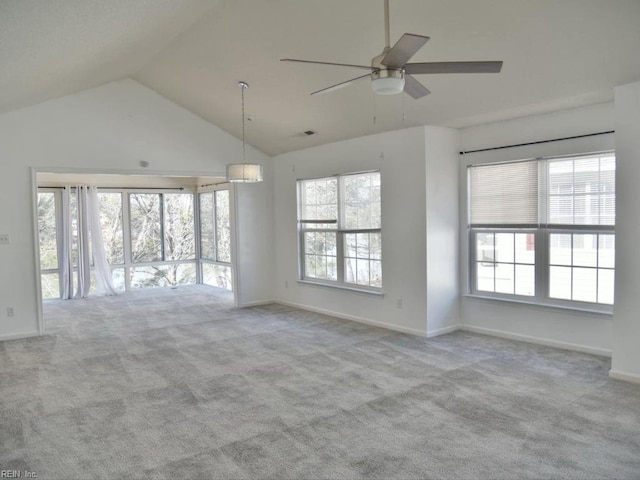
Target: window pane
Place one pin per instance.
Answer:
(525, 248)
(350, 268)
(560, 249)
(310, 266)
(163, 275)
(50, 285)
(360, 250)
(361, 199)
(484, 246)
(179, 235)
(362, 245)
(485, 275)
(525, 280)
(147, 277)
(223, 226)
(561, 210)
(111, 222)
(117, 275)
(608, 209)
(146, 240)
(504, 278)
(605, 286)
(585, 284)
(185, 274)
(585, 250)
(320, 255)
(591, 198)
(319, 201)
(561, 177)
(375, 246)
(332, 268)
(375, 273)
(47, 233)
(560, 282)
(217, 276)
(606, 251)
(207, 234)
(504, 247)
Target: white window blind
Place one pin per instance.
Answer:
(504, 194)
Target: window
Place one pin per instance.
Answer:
(146, 227)
(215, 238)
(149, 238)
(339, 228)
(48, 239)
(111, 221)
(543, 230)
(162, 239)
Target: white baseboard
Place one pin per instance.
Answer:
(18, 336)
(256, 304)
(540, 341)
(626, 376)
(442, 331)
(353, 318)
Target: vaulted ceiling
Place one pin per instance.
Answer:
(556, 53)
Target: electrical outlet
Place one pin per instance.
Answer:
(10, 312)
(5, 239)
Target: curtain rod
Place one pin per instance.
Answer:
(464, 152)
(125, 188)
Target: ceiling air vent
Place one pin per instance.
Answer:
(308, 133)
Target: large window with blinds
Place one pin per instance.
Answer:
(339, 231)
(543, 230)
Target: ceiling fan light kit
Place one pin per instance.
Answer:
(244, 172)
(387, 82)
(391, 74)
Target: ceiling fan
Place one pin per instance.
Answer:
(390, 73)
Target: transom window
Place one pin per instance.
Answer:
(543, 229)
(339, 229)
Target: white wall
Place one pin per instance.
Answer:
(441, 156)
(400, 156)
(626, 321)
(110, 129)
(564, 328)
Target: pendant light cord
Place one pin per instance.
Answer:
(243, 86)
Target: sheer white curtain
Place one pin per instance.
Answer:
(89, 245)
(67, 245)
(103, 277)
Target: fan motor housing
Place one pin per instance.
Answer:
(387, 73)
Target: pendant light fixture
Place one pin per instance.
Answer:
(244, 172)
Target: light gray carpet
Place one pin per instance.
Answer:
(177, 384)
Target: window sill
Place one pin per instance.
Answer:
(378, 293)
(565, 308)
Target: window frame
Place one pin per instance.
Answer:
(202, 260)
(340, 233)
(542, 249)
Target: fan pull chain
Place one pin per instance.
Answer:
(374, 108)
(403, 111)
